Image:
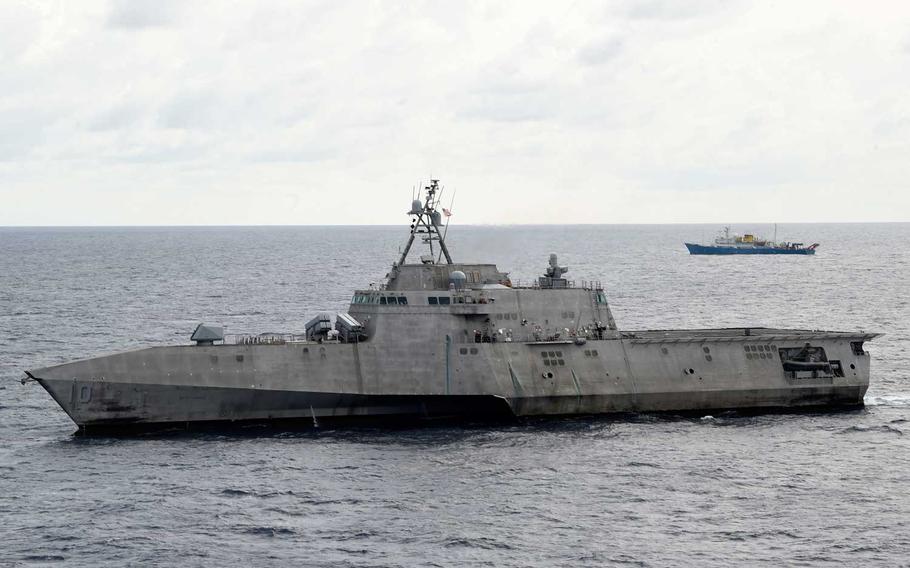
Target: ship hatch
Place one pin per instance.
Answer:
(808, 362)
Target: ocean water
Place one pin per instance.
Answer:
(799, 489)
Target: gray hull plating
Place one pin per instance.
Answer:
(642, 372)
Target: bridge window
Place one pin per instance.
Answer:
(433, 300)
(402, 301)
(392, 300)
(382, 300)
(444, 300)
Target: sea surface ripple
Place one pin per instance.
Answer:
(805, 489)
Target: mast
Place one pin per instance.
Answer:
(426, 221)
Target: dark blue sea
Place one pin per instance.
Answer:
(810, 489)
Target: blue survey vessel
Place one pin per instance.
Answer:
(726, 243)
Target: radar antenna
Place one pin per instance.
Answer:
(426, 222)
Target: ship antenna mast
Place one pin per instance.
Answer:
(426, 222)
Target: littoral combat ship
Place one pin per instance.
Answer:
(446, 339)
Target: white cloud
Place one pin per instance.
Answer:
(653, 111)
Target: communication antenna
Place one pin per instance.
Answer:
(426, 221)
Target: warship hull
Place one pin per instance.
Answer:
(310, 382)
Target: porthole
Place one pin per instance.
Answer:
(707, 358)
(705, 349)
(463, 351)
(852, 366)
(239, 358)
(473, 351)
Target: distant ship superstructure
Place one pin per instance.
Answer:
(443, 339)
(749, 244)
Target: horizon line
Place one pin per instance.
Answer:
(176, 226)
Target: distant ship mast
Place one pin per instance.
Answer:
(426, 222)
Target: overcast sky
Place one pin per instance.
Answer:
(156, 112)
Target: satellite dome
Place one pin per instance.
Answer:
(457, 278)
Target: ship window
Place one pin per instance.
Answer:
(546, 362)
(562, 363)
(239, 358)
(392, 300)
(544, 354)
(402, 300)
(745, 347)
(594, 352)
(587, 352)
(382, 300)
(473, 351)
(463, 351)
(444, 300)
(433, 300)
(499, 316)
(559, 353)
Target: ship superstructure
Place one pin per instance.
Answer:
(442, 338)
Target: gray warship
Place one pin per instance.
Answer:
(444, 339)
